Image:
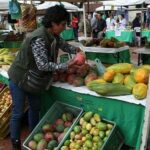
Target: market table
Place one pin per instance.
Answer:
(126, 36)
(146, 33)
(106, 55)
(126, 111)
(68, 34)
(143, 53)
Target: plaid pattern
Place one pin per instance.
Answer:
(41, 57)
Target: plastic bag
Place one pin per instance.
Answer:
(100, 67)
(14, 9)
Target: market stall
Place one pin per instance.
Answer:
(106, 54)
(126, 111)
(143, 53)
(146, 33)
(126, 36)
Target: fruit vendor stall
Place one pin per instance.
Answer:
(109, 51)
(105, 96)
(126, 36)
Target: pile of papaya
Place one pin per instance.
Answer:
(122, 79)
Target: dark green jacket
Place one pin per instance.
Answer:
(25, 59)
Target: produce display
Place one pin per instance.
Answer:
(111, 43)
(91, 42)
(5, 102)
(122, 79)
(52, 134)
(77, 76)
(14, 37)
(107, 43)
(90, 134)
(6, 57)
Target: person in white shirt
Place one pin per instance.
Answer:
(123, 22)
(110, 22)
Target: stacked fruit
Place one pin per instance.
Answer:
(90, 134)
(5, 102)
(77, 76)
(51, 135)
(122, 79)
(111, 43)
(6, 58)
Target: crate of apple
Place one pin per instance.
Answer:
(52, 134)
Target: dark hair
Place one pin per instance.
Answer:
(122, 15)
(55, 14)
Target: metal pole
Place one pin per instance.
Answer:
(84, 20)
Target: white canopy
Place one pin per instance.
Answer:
(102, 8)
(46, 5)
(124, 2)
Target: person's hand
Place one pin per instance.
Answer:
(78, 50)
(71, 63)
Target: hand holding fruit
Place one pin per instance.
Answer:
(79, 59)
(78, 50)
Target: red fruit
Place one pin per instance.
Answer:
(53, 127)
(90, 77)
(70, 78)
(48, 136)
(63, 77)
(80, 58)
(59, 122)
(61, 136)
(78, 81)
(47, 128)
(68, 124)
(32, 144)
(71, 70)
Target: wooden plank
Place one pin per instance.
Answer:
(146, 126)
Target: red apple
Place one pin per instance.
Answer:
(48, 136)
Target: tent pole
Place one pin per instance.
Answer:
(84, 19)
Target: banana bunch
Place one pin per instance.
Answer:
(6, 58)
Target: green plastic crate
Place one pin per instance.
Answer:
(115, 139)
(51, 116)
(64, 58)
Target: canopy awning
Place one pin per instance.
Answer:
(66, 5)
(103, 8)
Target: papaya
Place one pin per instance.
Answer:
(109, 89)
(100, 80)
(132, 71)
(109, 75)
(119, 78)
(141, 76)
(129, 82)
(147, 67)
(140, 91)
(123, 68)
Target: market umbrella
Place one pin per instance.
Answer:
(102, 8)
(66, 5)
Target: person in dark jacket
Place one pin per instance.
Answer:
(37, 58)
(136, 22)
